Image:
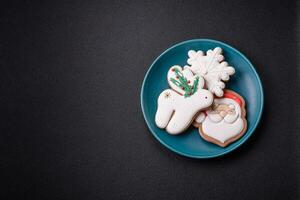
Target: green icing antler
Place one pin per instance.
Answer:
(182, 82)
(195, 86)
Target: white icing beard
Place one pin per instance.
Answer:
(226, 128)
(222, 131)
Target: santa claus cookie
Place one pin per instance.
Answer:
(177, 107)
(225, 122)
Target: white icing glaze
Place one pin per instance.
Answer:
(231, 118)
(214, 117)
(200, 118)
(175, 112)
(212, 68)
(224, 129)
(228, 118)
(186, 73)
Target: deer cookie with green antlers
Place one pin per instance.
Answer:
(178, 106)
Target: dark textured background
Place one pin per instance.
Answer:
(71, 122)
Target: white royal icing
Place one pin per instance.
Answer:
(200, 118)
(175, 112)
(224, 128)
(212, 68)
(215, 117)
(186, 73)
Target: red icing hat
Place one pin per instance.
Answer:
(232, 96)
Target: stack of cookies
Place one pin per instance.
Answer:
(197, 96)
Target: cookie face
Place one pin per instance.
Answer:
(178, 106)
(225, 122)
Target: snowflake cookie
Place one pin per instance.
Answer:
(212, 68)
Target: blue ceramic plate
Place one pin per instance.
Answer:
(245, 81)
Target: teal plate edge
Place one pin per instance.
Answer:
(242, 140)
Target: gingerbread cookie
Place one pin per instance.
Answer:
(225, 122)
(212, 68)
(178, 106)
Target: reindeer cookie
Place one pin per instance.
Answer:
(178, 106)
(225, 122)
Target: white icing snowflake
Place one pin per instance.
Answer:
(212, 68)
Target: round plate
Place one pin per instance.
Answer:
(245, 81)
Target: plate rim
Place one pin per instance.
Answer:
(244, 139)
